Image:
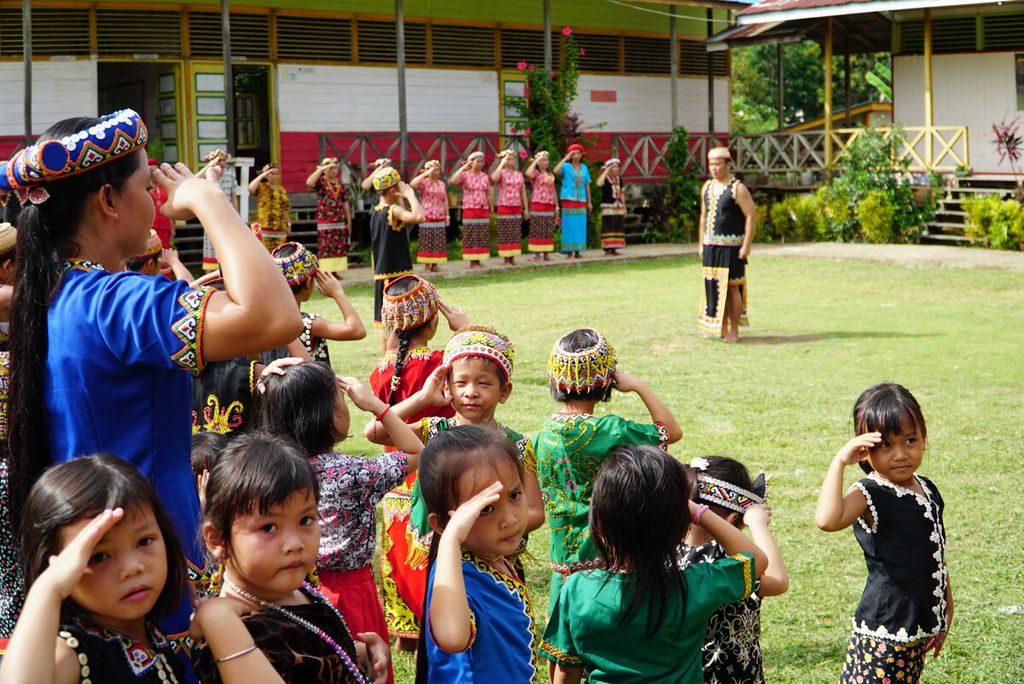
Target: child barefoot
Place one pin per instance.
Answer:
(260, 524)
(732, 648)
(907, 605)
(104, 566)
(574, 442)
(478, 618)
(639, 617)
(301, 269)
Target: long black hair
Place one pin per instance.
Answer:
(639, 514)
(84, 488)
(301, 405)
(443, 461)
(887, 408)
(46, 237)
(401, 286)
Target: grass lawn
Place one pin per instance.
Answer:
(821, 333)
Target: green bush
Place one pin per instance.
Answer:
(795, 218)
(875, 215)
(835, 217)
(997, 222)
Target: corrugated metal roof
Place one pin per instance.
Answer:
(786, 10)
(786, 5)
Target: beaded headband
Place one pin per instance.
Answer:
(299, 266)
(614, 161)
(384, 178)
(583, 371)
(542, 154)
(475, 155)
(432, 164)
(31, 168)
(153, 247)
(726, 494)
(383, 161)
(8, 238)
(482, 342)
(329, 160)
(410, 309)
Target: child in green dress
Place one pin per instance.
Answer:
(640, 617)
(573, 443)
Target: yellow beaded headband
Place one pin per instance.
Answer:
(582, 371)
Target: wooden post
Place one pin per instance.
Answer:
(403, 142)
(928, 117)
(673, 39)
(229, 76)
(711, 76)
(26, 39)
(848, 99)
(781, 50)
(828, 91)
(548, 62)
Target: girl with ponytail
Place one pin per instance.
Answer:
(409, 318)
(101, 358)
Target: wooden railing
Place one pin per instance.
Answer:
(643, 155)
(939, 148)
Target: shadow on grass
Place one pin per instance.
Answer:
(805, 338)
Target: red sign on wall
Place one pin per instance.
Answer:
(604, 96)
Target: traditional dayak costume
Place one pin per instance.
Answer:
(542, 211)
(510, 210)
(573, 198)
(732, 646)
(120, 344)
(723, 233)
(389, 240)
(161, 224)
(403, 586)
(332, 222)
(476, 213)
(8, 245)
(228, 184)
(570, 449)
(904, 599)
(153, 250)
(432, 244)
(272, 210)
(12, 580)
(107, 656)
(613, 209)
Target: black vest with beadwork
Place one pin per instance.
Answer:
(724, 221)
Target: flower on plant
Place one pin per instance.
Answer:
(512, 129)
(522, 154)
(583, 53)
(521, 66)
(530, 68)
(566, 30)
(553, 74)
(527, 132)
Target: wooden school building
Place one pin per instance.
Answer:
(312, 77)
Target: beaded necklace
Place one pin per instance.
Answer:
(346, 660)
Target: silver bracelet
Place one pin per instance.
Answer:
(236, 655)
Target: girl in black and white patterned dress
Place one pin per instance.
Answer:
(896, 515)
(732, 646)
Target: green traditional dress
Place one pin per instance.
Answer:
(570, 449)
(586, 631)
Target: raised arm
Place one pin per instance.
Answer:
(414, 214)
(352, 328)
(603, 177)
(315, 176)
(256, 311)
(660, 413)
(431, 394)
(731, 539)
(531, 170)
(171, 258)
(456, 178)
(834, 511)
(775, 580)
(400, 434)
(254, 184)
(561, 163)
(498, 168)
(415, 182)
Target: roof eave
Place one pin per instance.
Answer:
(747, 17)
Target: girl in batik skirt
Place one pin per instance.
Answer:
(477, 207)
(272, 206)
(333, 215)
(543, 207)
(613, 208)
(512, 206)
(432, 249)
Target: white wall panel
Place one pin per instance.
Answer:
(329, 98)
(643, 103)
(973, 90)
(60, 89)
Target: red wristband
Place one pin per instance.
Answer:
(380, 416)
(700, 513)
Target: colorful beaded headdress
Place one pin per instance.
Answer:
(582, 371)
(31, 168)
(480, 341)
(614, 161)
(299, 266)
(410, 309)
(384, 178)
(8, 238)
(726, 494)
(153, 246)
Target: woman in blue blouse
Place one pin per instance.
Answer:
(575, 201)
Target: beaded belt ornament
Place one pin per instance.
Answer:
(410, 309)
(726, 494)
(29, 169)
(483, 342)
(299, 266)
(585, 370)
(385, 177)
